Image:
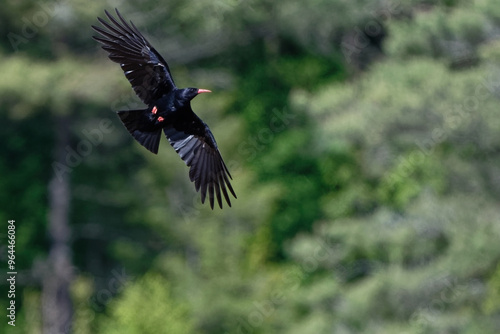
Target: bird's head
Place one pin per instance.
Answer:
(187, 94)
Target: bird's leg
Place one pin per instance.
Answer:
(154, 111)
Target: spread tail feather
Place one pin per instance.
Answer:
(132, 119)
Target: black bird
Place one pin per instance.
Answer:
(169, 108)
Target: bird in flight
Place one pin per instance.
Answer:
(168, 108)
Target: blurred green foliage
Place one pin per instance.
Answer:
(137, 310)
(362, 137)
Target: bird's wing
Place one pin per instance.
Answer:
(144, 67)
(193, 141)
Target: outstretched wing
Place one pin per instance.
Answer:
(193, 141)
(144, 67)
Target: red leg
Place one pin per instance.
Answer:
(160, 119)
(154, 111)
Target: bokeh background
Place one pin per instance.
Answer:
(364, 142)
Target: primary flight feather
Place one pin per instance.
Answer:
(169, 108)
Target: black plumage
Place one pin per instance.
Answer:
(169, 108)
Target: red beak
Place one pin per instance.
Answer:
(204, 91)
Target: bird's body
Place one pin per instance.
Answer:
(168, 109)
